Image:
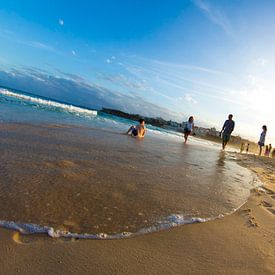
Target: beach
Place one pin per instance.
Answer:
(242, 242)
(137, 137)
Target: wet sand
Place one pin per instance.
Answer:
(242, 243)
(85, 180)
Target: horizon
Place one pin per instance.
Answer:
(200, 58)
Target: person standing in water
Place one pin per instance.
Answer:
(262, 139)
(227, 129)
(188, 128)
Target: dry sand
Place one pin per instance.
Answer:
(242, 243)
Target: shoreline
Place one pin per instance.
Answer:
(242, 242)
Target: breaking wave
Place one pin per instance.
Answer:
(48, 103)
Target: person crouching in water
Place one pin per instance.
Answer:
(262, 139)
(138, 130)
(188, 128)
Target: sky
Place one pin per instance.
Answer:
(164, 58)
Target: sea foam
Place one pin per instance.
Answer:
(169, 222)
(49, 103)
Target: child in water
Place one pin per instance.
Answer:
(138, 130)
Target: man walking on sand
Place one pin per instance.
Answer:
(227, 129)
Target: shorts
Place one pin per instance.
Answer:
(186, 132)
(226, 137)
(134, 132)
(261, 144)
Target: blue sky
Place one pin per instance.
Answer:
(201, 58)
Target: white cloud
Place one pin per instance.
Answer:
(30, 43)
(73, 53)
(261, 62)
(61, 22)
(108, 60)
(190, 99)
(251, 79)
(215, 15)
(39, 45)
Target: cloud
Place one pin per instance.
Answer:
(261, 62)
(14, 37)
(73, 77)
(252, 80)
(184, 66)
(189, 98)
(214, 15)
(178, 79)
(110, 60)
(40, 45)
(124, 81)
(73, 89)
(37, 45)
(73, 52)
(61, 22)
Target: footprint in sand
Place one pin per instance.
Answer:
(268, 191)
(22, 239)
(252, 222)
(31, 239)
(266, 204)
(26, 239)
(271, 210)
(16, 238)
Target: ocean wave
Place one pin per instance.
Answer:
(51, 104)
(167, 223)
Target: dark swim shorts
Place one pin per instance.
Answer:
(261, 144)
(134, 132)
(186, 131)
(226, 137)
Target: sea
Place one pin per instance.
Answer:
(71, 171)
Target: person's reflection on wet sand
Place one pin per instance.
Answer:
(221, 161)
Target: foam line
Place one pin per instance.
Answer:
(49, 103)
(169, 222)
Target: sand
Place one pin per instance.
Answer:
(242, 243)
